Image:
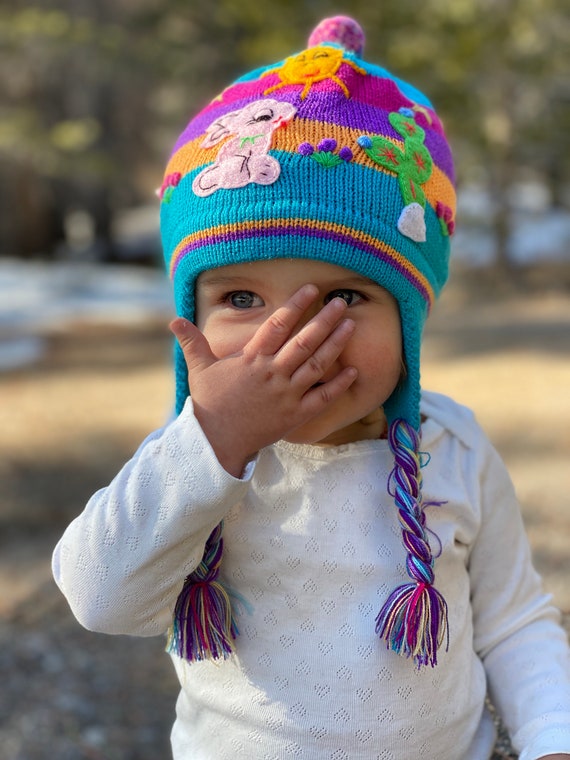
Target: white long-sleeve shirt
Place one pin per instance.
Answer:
(312, 542)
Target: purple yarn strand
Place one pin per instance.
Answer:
(414, 619)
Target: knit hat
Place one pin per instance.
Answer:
(322, 156)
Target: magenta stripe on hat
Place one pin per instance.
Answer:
(367, 94)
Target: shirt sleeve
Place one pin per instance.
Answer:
(122, 562)
(517, 631)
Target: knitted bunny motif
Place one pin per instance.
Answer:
(243, 158)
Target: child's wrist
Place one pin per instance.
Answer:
(231, 455)
(235, 465)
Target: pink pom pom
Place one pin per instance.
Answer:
(342, 30)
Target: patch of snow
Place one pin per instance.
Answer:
(20, 352)
(535, 238)
(38, 297)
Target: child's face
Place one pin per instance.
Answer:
(233, 301)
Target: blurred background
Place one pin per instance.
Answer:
(92, 96)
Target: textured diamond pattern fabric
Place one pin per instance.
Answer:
(313, 555)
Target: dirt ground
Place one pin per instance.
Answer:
(67, 425)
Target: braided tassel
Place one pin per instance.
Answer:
(413, 620)
(204, 627)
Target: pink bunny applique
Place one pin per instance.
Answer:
(244, 157)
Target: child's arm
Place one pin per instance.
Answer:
(122, 562)
(253, 398)
(516, 628)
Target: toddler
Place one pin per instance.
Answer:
(337, 557)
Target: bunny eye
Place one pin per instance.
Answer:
(264, 116)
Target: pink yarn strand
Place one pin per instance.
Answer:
(414, 623)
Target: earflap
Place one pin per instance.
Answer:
(180, 378)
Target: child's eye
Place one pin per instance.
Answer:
(244, 299)
(350, 296)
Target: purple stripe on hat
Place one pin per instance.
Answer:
(364, 93)
(358, 112)
(303, 231)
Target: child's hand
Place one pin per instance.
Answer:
(254, 397)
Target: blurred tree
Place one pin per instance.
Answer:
(95, 91)
(73, 119)
(496, 70)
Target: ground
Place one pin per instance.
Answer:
(67, 425)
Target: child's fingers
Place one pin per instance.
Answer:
(194, 345)
(277, 329)
(319, 397)
(303, 346)
(319, 361)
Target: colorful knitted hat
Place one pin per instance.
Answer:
(328, 157)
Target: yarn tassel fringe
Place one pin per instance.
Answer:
(203, 627)
(413, 622)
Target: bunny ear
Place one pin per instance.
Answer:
(219, 129)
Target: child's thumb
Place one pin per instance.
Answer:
(194, 345)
